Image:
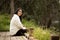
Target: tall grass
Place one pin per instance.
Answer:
(38, 33)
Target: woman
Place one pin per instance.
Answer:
(16, 27)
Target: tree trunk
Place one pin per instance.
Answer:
(12, 7)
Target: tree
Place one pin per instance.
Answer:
(12, 7)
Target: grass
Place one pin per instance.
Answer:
(41, 34)
(38, 33)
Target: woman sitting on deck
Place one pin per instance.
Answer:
(16, 27)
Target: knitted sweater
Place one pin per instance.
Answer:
(15, 24)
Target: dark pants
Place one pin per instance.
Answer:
(20, 32)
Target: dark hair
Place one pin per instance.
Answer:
(16, 12)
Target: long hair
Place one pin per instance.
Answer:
(16, 12)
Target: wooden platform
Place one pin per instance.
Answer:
(6, 36)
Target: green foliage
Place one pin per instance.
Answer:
(38, 33)
(28, 24)
(4, 22)
(39, 10)
(41, 34)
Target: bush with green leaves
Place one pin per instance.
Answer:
(4, 22)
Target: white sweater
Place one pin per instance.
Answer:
(15, 25)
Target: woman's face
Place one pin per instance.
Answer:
(20, 12)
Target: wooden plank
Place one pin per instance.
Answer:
(6, 36)
(1, 38)
(18, 38)
(54, 37)
(2, 33)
